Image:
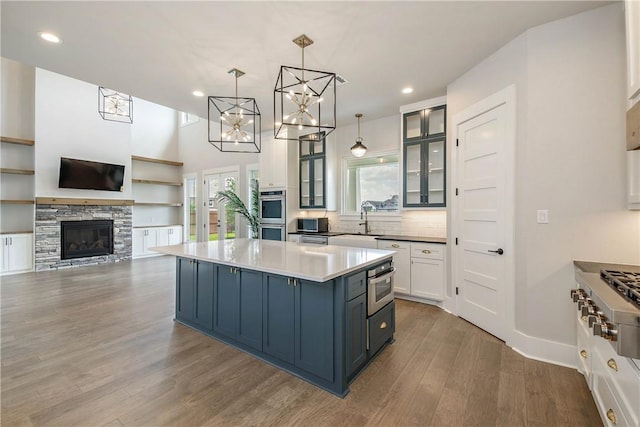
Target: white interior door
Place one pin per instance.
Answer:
(483, 214)
(220, 220)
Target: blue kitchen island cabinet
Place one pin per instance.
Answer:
(317, 329)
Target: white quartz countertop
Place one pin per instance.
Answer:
(317, 263)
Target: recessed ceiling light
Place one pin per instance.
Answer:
(50, 37)
(407, 90)
(197, 93)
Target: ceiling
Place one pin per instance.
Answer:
(162, 51)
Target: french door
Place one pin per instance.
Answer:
(219, 218)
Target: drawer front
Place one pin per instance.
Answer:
(356, 285)
(584, 355)
(427, 250)
(381, 327)
(393, 245)
(623, 376)
(610, 411)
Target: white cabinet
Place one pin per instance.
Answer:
(427, 271)
(16, 253)
(420, 270)
(632, 15)
(146, 238)
(402, 263)
(295, 238)
(273, 163)
(633, 179)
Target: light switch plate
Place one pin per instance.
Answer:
(543, 216)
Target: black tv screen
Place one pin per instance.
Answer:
(87, 175)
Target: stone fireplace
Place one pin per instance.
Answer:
(74, 232)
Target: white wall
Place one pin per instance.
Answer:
(570, 157)
(17, 113)
(154, 132)
(68, 125)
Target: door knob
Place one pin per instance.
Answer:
(499, 251)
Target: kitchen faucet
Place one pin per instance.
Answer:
(367, 229)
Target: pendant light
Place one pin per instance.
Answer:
(115, 106)
(358, 149)
(304, 100)
(234, 122)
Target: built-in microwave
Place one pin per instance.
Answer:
(273, 207)
(313, 225)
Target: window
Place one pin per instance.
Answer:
(371, 183)
(188, 118)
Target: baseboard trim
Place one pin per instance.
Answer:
(543, 350)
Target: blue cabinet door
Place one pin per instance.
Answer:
(278, 317)
(250, 321)
(314, 328)
(185, 289)
(226, 301)
(356, 334)
(203, 315)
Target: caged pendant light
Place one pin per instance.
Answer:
(115, 106)
(234, 122)
(358, 149)
(304, 101)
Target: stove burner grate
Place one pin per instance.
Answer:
(627, 284)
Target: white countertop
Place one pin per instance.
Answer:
(314, 262)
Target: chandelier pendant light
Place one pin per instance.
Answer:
(358, 149)
(304, 100)
(115, 106)
(234, 122)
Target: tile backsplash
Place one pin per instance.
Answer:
(410, 223)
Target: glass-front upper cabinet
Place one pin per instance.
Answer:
(312, 171)
(424, 134)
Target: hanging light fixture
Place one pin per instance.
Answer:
(358, 149)
(234, 122)
(115, 106)
(304, 100)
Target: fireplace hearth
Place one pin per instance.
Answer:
(80, 239)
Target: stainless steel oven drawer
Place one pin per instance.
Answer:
(381, 327)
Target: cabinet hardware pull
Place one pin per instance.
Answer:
(383, 325)
(395, 246)
(583, 353)
(426, 251)
(612, 364)
(612, 416)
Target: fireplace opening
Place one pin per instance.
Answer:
(81, 239)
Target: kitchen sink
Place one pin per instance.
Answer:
(355, 240)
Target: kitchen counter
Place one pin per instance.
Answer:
(595, 267)
(316, 263)
(301, 309)
(418, 239)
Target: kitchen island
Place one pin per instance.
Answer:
(300, 308)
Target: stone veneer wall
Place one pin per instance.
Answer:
(47, 233)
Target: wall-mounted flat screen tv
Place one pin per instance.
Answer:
(87, 175)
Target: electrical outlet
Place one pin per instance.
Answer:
(543, 216)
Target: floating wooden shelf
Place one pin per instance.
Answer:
(17, 232)
(157, 204)
(16, 202)
(19, 141)
(17, 171)
(153, 181)
(160, 161)
(157, 226)
(90, 202)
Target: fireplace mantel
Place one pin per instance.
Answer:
(86, 202)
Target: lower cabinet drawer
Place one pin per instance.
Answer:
(381, 327)
(611, 413)
(356, 285)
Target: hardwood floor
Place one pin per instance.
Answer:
(97, 346)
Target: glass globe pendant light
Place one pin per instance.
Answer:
(358, 149)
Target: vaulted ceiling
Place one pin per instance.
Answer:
(162, 51)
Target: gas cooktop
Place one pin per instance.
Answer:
(627, 284)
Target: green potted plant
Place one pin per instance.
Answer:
(234, 203)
